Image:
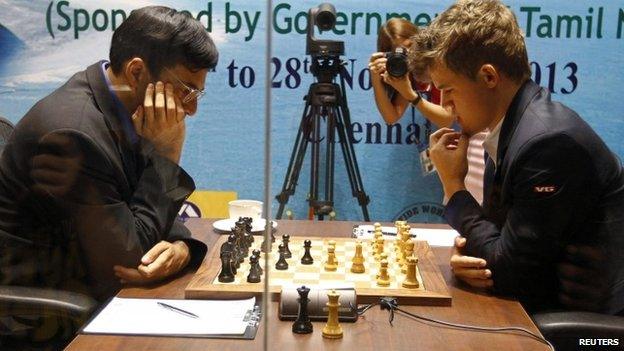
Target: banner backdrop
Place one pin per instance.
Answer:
(575, 50)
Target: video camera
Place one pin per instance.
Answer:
(396, 65)
(323, 16)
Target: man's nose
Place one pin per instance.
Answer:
(190, 107)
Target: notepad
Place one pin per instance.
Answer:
(146, 317)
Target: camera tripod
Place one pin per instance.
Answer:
(326, 101)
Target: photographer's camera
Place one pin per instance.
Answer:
(397, 65)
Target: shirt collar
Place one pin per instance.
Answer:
(490, 144)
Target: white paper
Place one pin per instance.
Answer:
(435, 237)
(145, 316)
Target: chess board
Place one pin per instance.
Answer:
(432, 289)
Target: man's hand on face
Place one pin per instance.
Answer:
(470, 270)
(161, 261)
(448, 151)
(161, 120)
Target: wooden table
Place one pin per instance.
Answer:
(371, 332)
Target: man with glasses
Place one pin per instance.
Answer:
(90, 184)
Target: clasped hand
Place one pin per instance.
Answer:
(161, 120)
(161, 261)
(470, 270)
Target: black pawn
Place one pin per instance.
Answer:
(281, 264)
(254, 274)
(302, 325)
(226, 275)
(285, 241)
(256, 252)
(307, 258)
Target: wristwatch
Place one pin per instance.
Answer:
(416, 100)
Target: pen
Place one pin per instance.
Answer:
(178, 310)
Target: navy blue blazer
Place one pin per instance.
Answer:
(556, 184)
(119, 200)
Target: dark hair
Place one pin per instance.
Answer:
(163, 37)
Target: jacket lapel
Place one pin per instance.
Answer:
(112, 118)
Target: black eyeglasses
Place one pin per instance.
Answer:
(193, 94)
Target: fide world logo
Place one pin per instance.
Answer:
(422, 212)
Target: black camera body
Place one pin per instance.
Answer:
(396, 65)
(323, 16)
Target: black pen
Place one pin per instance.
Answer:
(178, 310)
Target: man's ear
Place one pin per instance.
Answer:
(135, 71)
(488, 75)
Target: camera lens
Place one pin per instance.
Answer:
(396, 65)
(326, 16)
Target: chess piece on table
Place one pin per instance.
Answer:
(302, 325)
(409, 251)
(254, 270)
(379, 248)
(377, 233)
(248, 225)
(331, 264)
(358, 259)
(226, 275)
(257, 253)
(382, 256)
(285, 241)
(383, 279)
(332, 329)
(281, 264)
(410, 281)
(307, 257)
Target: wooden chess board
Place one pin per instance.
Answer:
(432, 289)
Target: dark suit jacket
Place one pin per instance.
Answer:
(556, 184)
(118, 200)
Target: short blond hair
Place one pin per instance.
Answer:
(469, 34)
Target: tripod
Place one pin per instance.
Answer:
(325, 100)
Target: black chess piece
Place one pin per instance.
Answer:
(226, 275)
(302, 325)
(285, 241)
(248, 224)
(254, 274)
(281, 264)
(248, 239)
(307, 258)
(236, 259)
(257, 253)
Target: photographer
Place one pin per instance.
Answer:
(394, 94)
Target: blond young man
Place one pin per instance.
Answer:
(551, 183)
